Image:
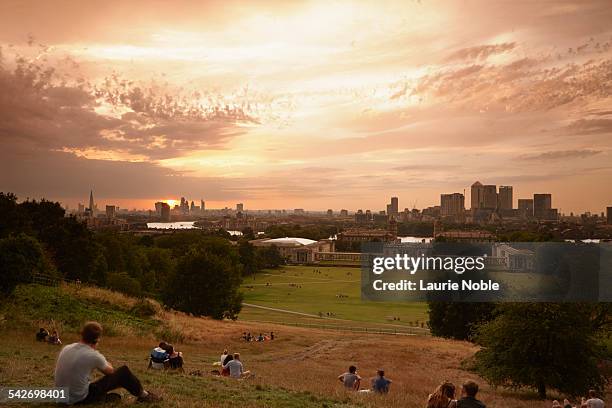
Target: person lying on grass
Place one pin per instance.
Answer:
(235, 368)
(54, 339)
(75, 363)
(350, 379)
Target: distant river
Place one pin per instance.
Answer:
(171, 225)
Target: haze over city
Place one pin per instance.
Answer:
(306, 105)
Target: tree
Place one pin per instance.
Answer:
(246, 252)
(269, 257)
(457, 320)
(124, 283)
(543, 346)
(206, 282)
(21, 256)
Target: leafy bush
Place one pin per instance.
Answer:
(144, 308)
(124, 283)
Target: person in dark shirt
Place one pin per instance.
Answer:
(175, 358)
(380, 384)
(468, 396)
(42, 335)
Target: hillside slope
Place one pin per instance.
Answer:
(298, 369)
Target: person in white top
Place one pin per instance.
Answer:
(223, 357)
(75, 363)
(236, 369)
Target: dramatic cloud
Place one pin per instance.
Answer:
(306, 104)
(562, 154)
(481, 51)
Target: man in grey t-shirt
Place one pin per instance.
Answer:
(235, 368)
(593, 401)
(350, 379)
(76, 362)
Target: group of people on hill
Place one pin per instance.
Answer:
(262, 337)
(53, 338)
(593, 401)
(76, 362)
(164, 356)
(352, 381)
(444, 396)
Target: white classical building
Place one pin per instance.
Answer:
(297, 250)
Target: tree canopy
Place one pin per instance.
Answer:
(544, 346)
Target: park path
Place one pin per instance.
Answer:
(283, 310)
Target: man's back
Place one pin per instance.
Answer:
(349, 379)
(73, 368)
(470, 402)
(595, 403)
(235, 368)
(380, 384)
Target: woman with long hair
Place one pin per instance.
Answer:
(443, 396)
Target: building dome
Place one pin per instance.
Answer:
(290, 240)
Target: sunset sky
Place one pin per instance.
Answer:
(306, 104)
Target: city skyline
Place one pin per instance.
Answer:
(450, 204)
(306, 104)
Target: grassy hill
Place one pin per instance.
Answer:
(298, 369)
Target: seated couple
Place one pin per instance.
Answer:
(232, 366)
(75, 363)
(352, 381)
(444, 396)
(43, 335)
(165, 356)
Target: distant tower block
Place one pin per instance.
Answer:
(91, 201)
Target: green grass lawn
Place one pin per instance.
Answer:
(334, 290)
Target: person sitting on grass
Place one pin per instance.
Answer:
(54, 339)
(594, 401)
(225, 372)
(443, 396)
(380, 384)
(158, 359)
(175, 358)
(236, 370)
(75, 363)
(42, 334)
(261, 337)
(350, 379)
(468, 396)
(223, 357)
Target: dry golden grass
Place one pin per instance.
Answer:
(298, 360)
(298, 369)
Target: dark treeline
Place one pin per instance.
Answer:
(36, 237)
(315, 231)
